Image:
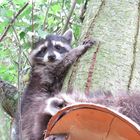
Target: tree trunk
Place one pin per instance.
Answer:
(8, 97)
(8, 101)
(115, 24)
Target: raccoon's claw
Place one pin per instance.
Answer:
(88, 43)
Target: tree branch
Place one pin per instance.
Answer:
(8, 97)
(69, 16)
(46, 14)
(12, 21)
(83, 10)
(32, 21)
(19, 79)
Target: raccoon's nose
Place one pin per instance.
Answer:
(52, 57)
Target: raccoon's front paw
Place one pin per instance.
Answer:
(88, 43)
(54, 104)
(58, 102)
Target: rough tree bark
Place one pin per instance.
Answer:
(8, 97)
(8, 101)
(115, 24)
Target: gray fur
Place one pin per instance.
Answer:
(128, 105)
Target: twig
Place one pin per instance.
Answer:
(19, 86)
(63, 11)
(91, 70)
(33, 4)
(69, 16)
(83, 10)
(13, 20)
(19, 90)
(19, 83)
(26, 58)
(20, 45)
(46, 14)
(16, 35)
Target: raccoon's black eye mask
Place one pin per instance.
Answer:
(57, 47)
(42, 52)
(60, 49)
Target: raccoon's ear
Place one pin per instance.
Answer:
(68, 35)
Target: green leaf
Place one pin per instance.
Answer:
(80, 1)
(22, 35)
(56, 8)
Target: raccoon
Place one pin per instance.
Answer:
(50, 58)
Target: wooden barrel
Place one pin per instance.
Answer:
(92, 122)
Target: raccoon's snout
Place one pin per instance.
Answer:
(52, 57)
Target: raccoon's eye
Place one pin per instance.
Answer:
(58, 47)
(42, 52)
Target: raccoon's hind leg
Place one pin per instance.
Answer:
(40, 125)
(53, 105)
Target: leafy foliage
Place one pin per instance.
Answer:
(48, 17)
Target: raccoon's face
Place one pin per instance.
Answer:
(52, 49)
